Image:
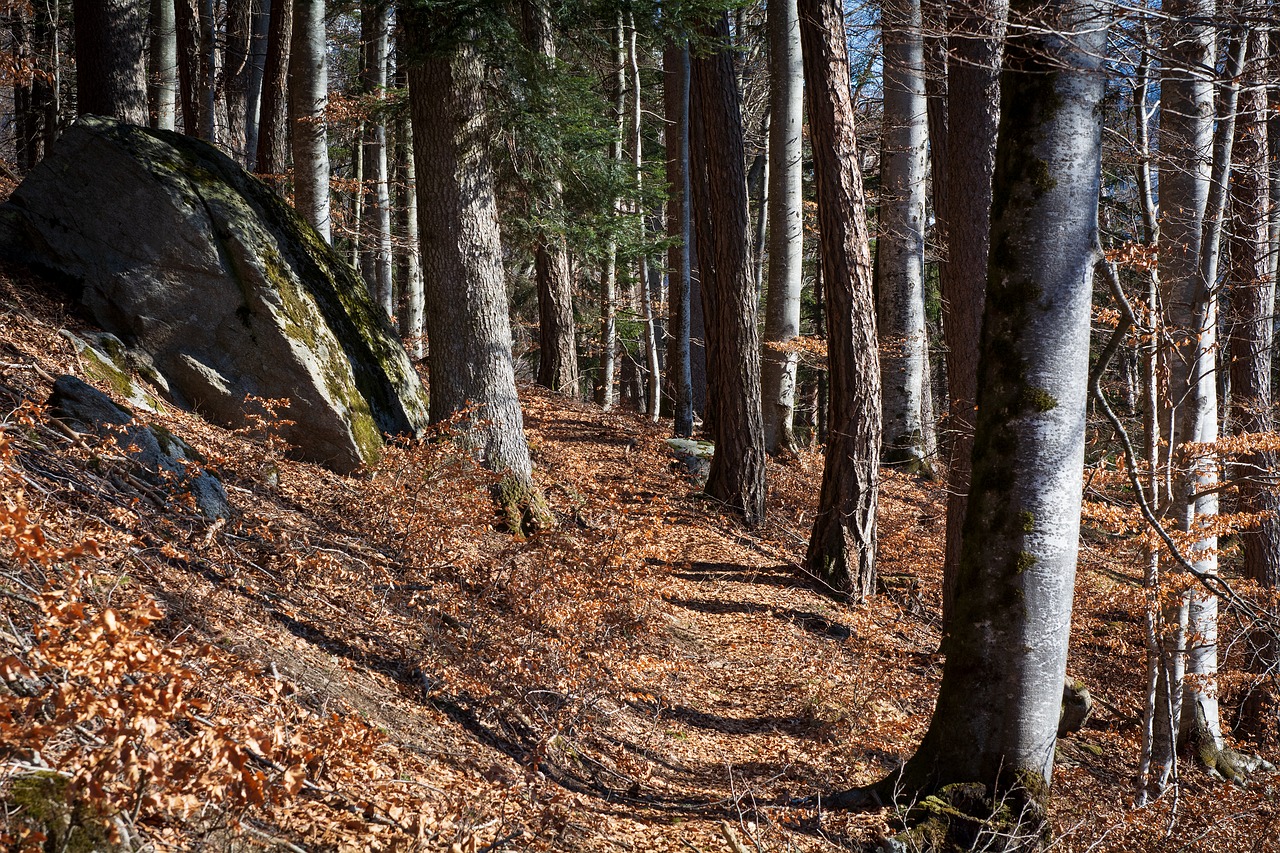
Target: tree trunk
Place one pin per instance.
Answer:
(786, 236)
(1250, 321)
(163, 71)
(470, 361)
(900, 247)
(737, 475)
(375, 236)
(652, 401)
(842, 547)
(963, 206)
(1190, 410)
(409, 257)
(675, 93)
(236, 72)
(207, 74)
(111, 52)
(260, 11)
(997, 714)
(557, 347)
(609, 269)
(308, 97)
(273, 141)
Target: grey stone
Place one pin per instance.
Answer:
(162, 458)
(1077, 707)
(212, 281)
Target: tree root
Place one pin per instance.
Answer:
(523, 506)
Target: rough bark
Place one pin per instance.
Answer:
(308, 97)
(963, 206)
(557, 347)
(998, 708)
(652, 401)
(111, 51)
(675, 93)
(409, 256)
(260, 12)
(469, 362)
(605, 394)
(236, 72)
(273, 141)
(375, 231)
(842, 547)
(163, 65)
(1250, 321)
(900, 246)
(737, 476)
(786, 239)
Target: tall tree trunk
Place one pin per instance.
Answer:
(34, 94)
(786, 233)
(675, 94)
(111, 52)
(558, 349)
(187, 25)
(236, 72)
(273, 140)
(737, 475)
(653, 368)
(260, 12)
(1251, 323)
(1190, 412)
(163, 70)
(962, 190)
(997, 713)
(609, 269)
(470, 360)
(207, 75)
(900, 247)
(842, 547)
(375, 236)
(308, 97)
(409, 258)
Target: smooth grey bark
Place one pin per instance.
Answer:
(557, 343)
(1189, 413)
(260, 21)
(737, 476)
(996, 719)
(375, 231)
(653, 368)
(308, 98)
(111, 50)
(842, 546)
(786, 238)
(962, 202)
(162, 72)
(273, 148)
(900, 246)
(469, 361)
(409, 256)
(675, 94)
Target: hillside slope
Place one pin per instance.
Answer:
(369, 662)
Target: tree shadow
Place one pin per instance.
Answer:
(814, 623)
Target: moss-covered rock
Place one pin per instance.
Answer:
(182, 255)
(43, 804)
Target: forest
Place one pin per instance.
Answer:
(674, 425)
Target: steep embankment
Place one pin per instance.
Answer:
(368, 662)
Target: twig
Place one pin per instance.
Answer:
(731, 837)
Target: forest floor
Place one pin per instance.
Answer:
(380, 666)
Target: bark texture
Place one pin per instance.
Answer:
(375, 230)
(737, 475)
(469, 362)
(308, 98)
(786, 242)
(675, 93)
(997, 715)
(162, 72)
(111, 51)
(273, 148)
(842, 547)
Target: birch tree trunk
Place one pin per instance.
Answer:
(737, 475)
(675, 93)
(260, 20)
(963, 205)
(842, 547)
(469, 362)
(996, 718)
(900, 247)
(273, 148)
(163, 65)
(375, 236)
(308, 97)
(786, 238)
(412, 303)
(557, 344)
(111, 59)
(652, 401)
(609, 269)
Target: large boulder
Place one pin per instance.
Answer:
(174, 249)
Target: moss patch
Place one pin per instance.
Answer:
(46, 804)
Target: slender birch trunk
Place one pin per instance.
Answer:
(308, 98)
(375, 224)
(653, 369)
(675, 92)
(260, 14)
(609, 269)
